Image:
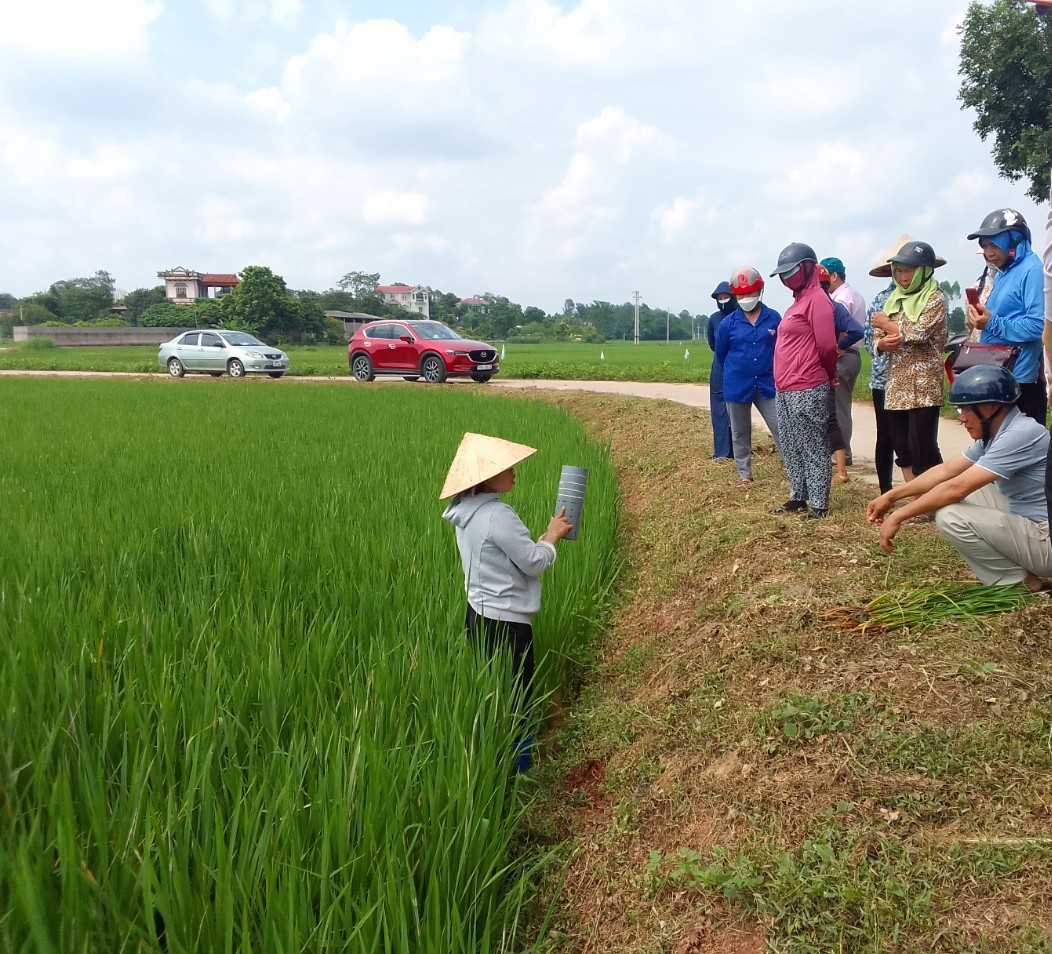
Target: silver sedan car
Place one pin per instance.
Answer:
(214, 351)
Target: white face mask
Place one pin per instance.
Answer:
(749, 304)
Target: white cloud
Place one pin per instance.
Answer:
(285, 13)
(395, 208)
(595, 32)
(541, 149)
(79, 30)
(269, 102)
(379, 53)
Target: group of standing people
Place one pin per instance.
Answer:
(799, 370)
(786, 366)
(993, 502)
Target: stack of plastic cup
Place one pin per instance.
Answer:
(572, 483)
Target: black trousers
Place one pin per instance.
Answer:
(884, 452)
(915, 437)
(1033, 399)
(489, 635)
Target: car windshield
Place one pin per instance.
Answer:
(240, 339)
(433, 331)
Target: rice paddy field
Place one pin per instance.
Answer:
(237, 708)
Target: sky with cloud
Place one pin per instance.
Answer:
(537, 150)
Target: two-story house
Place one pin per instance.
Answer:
(411, 298)
(183, 286)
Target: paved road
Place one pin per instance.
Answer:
(952, 436)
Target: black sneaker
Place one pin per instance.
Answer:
(791, 506)
(814, 514)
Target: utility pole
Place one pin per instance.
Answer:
(635, 297)
(668, 319)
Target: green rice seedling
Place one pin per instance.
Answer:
(237, 708)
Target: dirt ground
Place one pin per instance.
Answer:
(680, 738)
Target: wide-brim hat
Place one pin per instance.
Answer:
(478, 458)
(883, 267)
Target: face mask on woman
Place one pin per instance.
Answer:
(749, 304)
(796, 279)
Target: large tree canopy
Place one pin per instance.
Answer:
(1006, 77)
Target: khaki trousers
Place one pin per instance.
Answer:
(1000, 547)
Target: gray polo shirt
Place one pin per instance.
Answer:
(1016, 456)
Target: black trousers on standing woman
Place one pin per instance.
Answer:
(915, 436)
(489, 635)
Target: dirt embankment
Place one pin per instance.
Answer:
(740, 772)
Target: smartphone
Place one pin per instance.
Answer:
(972, 295)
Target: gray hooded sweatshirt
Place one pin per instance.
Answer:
(502, 563)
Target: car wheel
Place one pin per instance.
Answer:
(410, 377)
(362, 368)
(275, 374)
(481, 378)
(433, 369)
(175, 368)
(235, 368)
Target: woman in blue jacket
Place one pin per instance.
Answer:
(721, 425)
(1015, 311)
(745, 348)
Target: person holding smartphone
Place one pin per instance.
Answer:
(1014, 312)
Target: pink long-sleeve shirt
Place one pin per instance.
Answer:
(805, 353)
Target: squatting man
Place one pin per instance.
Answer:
(989, 502)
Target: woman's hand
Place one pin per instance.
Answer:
(978, 317)
(558, 527)
(889, 343)
(883, 322)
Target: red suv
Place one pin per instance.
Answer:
(418, 349)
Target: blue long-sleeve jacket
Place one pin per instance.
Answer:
(746, 351)
(711, 327)
(1017, 313)
(848, 331)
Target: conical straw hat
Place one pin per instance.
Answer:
(478, 458)
(883, 267)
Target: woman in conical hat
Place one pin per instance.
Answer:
(502, 563)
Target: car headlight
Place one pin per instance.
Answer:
(253, 354)
(459, 354)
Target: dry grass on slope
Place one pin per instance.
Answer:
(739, 774)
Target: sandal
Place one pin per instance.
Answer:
(841, 479)
(791, 506)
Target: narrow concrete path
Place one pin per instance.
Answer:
(953, 438)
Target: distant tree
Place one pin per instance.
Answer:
(531, 313)
(503, 317)
(951, 292)
(359, 284)
(167, 315)
(569, 308)
(335, 299)
(7, 300)
(1006, 77)
(443, 306)
(955, 324)
(139, 300)
(261, 304)
(47, 300)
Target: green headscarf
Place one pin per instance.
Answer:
(912, 301)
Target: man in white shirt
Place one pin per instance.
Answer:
(849, 363)
(988, 501)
